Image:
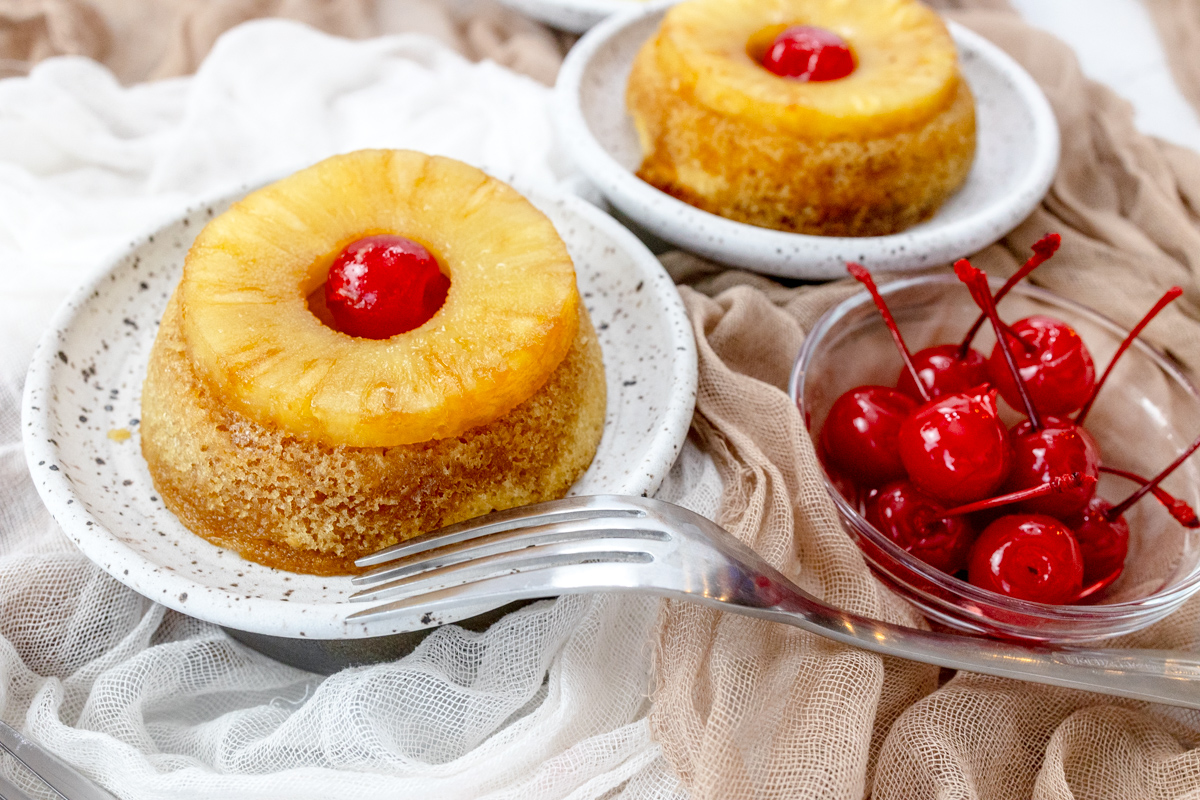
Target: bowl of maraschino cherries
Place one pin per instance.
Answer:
(1011, 462)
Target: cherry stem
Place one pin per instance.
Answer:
(981, 293)
(1184, 514)
(1162, 303)
(862, 276)
(1056, 485)
(1123, 506)
(1042, 250)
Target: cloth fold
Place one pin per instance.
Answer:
(144, 40)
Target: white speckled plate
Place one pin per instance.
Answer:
(1015, 160)
(572, 15)
(85, 384)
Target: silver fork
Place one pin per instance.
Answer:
(48, 771)
(611, 543)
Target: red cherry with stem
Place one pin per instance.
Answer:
(1162, 303)
(955, 447)
(1028, 557)
(946, 369)
(1056, 366)
(862, 276)
(1102, 530)
(1043, 249)
(1184, 514)
(928, 530)
(977, 284)
(1103, 544)
(807, 53)
(859, 435)
(943, 370)
(917, 523)
(381, 286)
(1041, 451)
(1039, 456)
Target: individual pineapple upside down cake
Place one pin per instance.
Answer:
(824, 117)
(369, 349)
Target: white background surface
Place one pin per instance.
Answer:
(1118, 45)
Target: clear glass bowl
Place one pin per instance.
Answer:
(1146, 415)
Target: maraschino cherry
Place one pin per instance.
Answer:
(1054, 362)
(1103, 545)
(955, 447)
(806, 53)
(1103, 533)
(943, 370)
(918, 523)
(381, 286)
(947, 368)
(1029, 557)
(859, 435)
(939, 536)
(1044, 448)
(1059, 447)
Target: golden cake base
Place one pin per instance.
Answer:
(305, 507)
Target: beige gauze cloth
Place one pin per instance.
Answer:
(744, 708)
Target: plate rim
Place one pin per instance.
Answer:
(708, 234)
(576, 16)
(304, 620)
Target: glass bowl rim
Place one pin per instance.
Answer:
(1177, 593)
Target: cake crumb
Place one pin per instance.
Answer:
(119, 434)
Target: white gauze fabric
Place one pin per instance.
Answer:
(551, 702)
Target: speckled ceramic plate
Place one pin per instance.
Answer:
(572, 15)
(83, 398)
(1015, 159)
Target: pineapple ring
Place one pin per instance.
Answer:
(906, 64)
(508, 320)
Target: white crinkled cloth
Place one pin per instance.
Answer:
(551, 702)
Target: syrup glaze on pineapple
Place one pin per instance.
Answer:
(507, 322)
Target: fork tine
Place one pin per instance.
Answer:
(507, 541)
(60, 776)
(474, 566)
(568, 508)
(546, 581)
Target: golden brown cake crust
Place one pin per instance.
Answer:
(770, 175)
(305, 507)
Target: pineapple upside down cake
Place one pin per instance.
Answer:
(374, 347)
(823, 117)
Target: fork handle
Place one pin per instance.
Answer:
(1159, 676)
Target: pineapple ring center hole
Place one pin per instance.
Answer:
(760, 42)
(402, 307)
